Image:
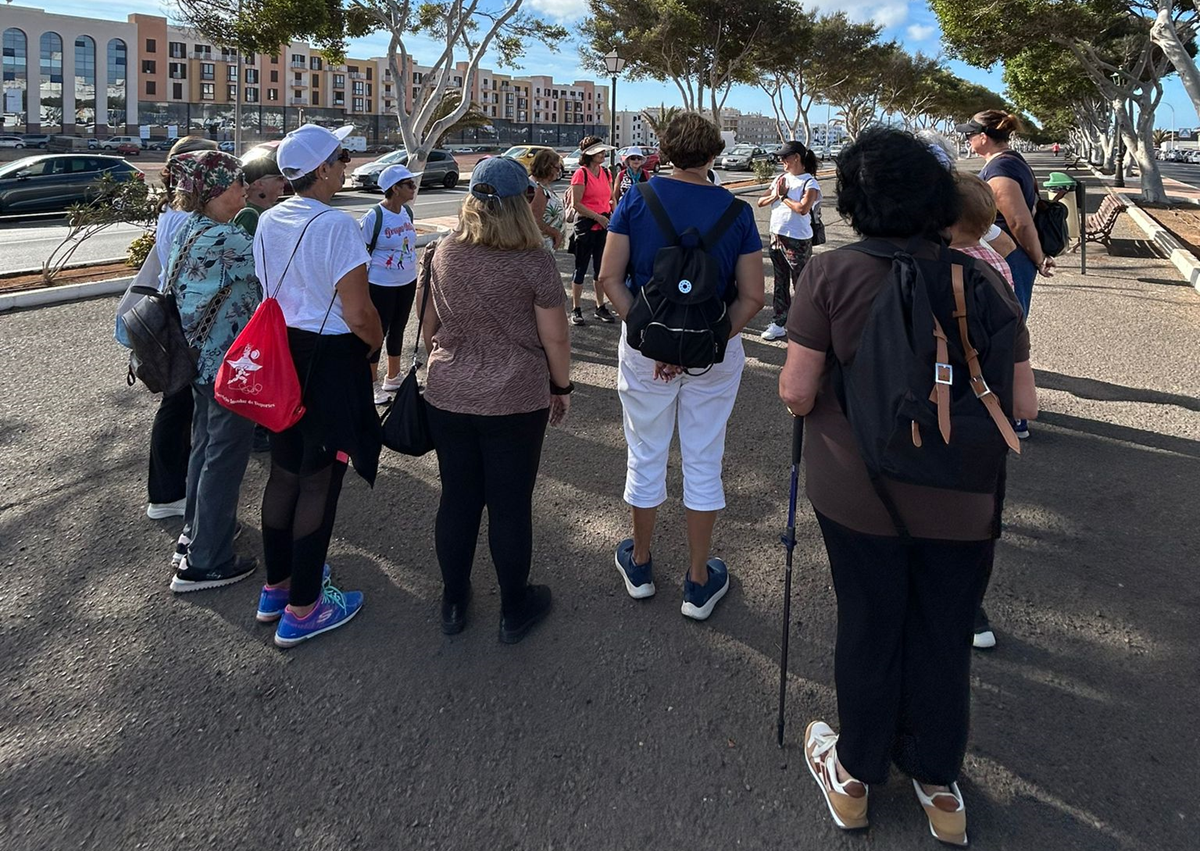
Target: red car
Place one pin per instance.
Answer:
(129, 149)
(652, 159)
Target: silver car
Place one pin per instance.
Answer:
(743, 157)
(440, 170)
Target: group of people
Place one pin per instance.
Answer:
(910, 563)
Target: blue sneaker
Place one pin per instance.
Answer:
(700, 600)
(334, 609)
(272, 601)
(639, 578)
(1021, 427)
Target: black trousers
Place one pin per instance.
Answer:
(170, 447)
(490, 461)
(394, 305)
(903, 659)
(788, 258)
(589, 247)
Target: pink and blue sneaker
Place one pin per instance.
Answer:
(334, 609)
(272, 601)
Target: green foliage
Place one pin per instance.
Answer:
(139, 250)
(763, 170)
(472, 119)
(127, 201)
(665, 115)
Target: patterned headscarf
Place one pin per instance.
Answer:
(205, 174)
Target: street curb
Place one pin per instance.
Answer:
(1184, 260)
(77, 265)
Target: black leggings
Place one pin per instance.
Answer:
(299, 508)
(589, 246)
(490, 461)
(171, 446)
(394, 305)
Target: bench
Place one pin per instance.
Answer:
(1098, 226)
(1073, 160)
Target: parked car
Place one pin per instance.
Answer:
(153, 144)
(524, 154)
(835, 151)
(114, 142)
(773, 152)
(36, 140)
(743, 158)
(52, 182)
(571, 162)
(653, 161)
(129, 149)
(441, 169)
(12, 142)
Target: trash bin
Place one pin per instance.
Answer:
(1061, 187)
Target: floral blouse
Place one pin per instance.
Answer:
(217, 274)
(555, 213)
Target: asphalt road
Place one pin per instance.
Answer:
(135, 719)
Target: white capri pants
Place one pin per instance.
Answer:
(702, 404)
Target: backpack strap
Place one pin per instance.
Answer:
(732, 213)
(377, 229)
(658, 212)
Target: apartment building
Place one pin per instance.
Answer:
(749, 127)
(634, 129)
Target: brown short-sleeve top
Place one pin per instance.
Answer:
(833, 299)
(487, 357)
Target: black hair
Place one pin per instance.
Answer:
(890, 184)
(258, 163)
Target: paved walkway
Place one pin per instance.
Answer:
(136, 719)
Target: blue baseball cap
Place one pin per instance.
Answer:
(499, 177)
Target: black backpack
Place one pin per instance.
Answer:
(928, 393)
(678, 316)
(1050, 219)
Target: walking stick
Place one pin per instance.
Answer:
(789, 541)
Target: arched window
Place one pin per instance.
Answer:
(117, 57)
(85, 82)
(16, 82)
(50, 65)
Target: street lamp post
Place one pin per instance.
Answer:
(615, 65)
(1119, 182)
(1170, 107)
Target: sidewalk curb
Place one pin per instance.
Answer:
(1184, 260)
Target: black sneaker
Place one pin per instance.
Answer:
(577, 317)
(984, 638)
(454, 614)
(604, 315)
(189, 579)
(537, 606)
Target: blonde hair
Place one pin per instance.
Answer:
(978, 204)
(504, 223)
(187, 202)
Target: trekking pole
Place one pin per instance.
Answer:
(789, 541)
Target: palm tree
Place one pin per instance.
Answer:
(1160, 137)
(471, 119)
(665, 114)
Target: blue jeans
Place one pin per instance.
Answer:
(1024, 274)
(221, 443)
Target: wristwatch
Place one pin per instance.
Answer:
(555, 390)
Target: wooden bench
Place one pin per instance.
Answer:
(1098, 226)
(1073, 160)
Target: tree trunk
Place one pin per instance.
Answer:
(1163, 33)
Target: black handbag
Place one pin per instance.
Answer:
(818, 225)
(406, 422)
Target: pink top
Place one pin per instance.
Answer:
(990, 256)
(597, 191)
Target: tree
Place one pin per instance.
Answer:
(658, 123)
(264, 26)
(859, 94)
(113, 201)
(471, 119)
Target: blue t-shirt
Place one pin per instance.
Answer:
(1012, 165)
(688, 205)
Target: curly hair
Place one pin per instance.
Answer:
(547, 165)
(890, 184)
(690, 140)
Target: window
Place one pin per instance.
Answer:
(358, 105)
(274, 76)
(339, 81)
(117, 59)
(202, 50)
(272, 94)
(251, 95)
(85, 81)
(299, 81)
(149, 66)
(275, 60)
(359, 87)
(151, 87)
(207, 71)
(314, 62)
(151, 46)
(251, 75)
(176, 93)
(177, 70)
(207, 91)
(178, 50)
(297, 60)
(231, 73)
(231, 93)
(369, 72)
(316, 80)
(316, 98)
(339, 99)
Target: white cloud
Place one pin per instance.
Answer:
(886, 13)
(920, 32)
(563, 10)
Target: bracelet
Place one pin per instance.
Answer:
(555, 390)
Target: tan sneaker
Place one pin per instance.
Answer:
(847, 801)
(946, 812)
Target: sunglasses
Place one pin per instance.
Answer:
(344, 156)
(408, 184)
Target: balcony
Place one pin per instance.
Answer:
(195, 54)
(295, 101)
(299, 84)
(179, 75)
(357, 75)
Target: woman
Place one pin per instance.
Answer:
(211, 271)
(499, 370)
(312, 259)
(392, 243)
(264, 184)
(905, 604)
(792, 197)
(591, 198)
(654, 395)
(1015, 187)
(548, 208)
(171, 434)
(633, 171)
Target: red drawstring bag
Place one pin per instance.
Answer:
(257, 378)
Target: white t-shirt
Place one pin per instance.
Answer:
(332, 246)
(394, 260)
(169, 223)
(784, 220)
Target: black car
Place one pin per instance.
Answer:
(52, 182)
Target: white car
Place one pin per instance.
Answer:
(571, 163)
(11, 142)
(114, 142)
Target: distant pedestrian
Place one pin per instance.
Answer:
(591, 198)
(632, 172)
(654, 395)
(909, 572)
(792, 197)
(211, 272)
(499, 371)
(312, 259)
(548, 208)
(391, 239)
(171, 433)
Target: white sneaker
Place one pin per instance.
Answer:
(382, 397)
(163, 510)
(392, 384)
(774, 332)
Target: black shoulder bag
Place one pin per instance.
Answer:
(406, 422)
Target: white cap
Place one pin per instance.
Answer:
(635, 151)
(392, 175)
(307, 147)
(993, 233)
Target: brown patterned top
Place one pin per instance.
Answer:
(487, 357)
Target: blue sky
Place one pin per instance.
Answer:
(909, 21)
